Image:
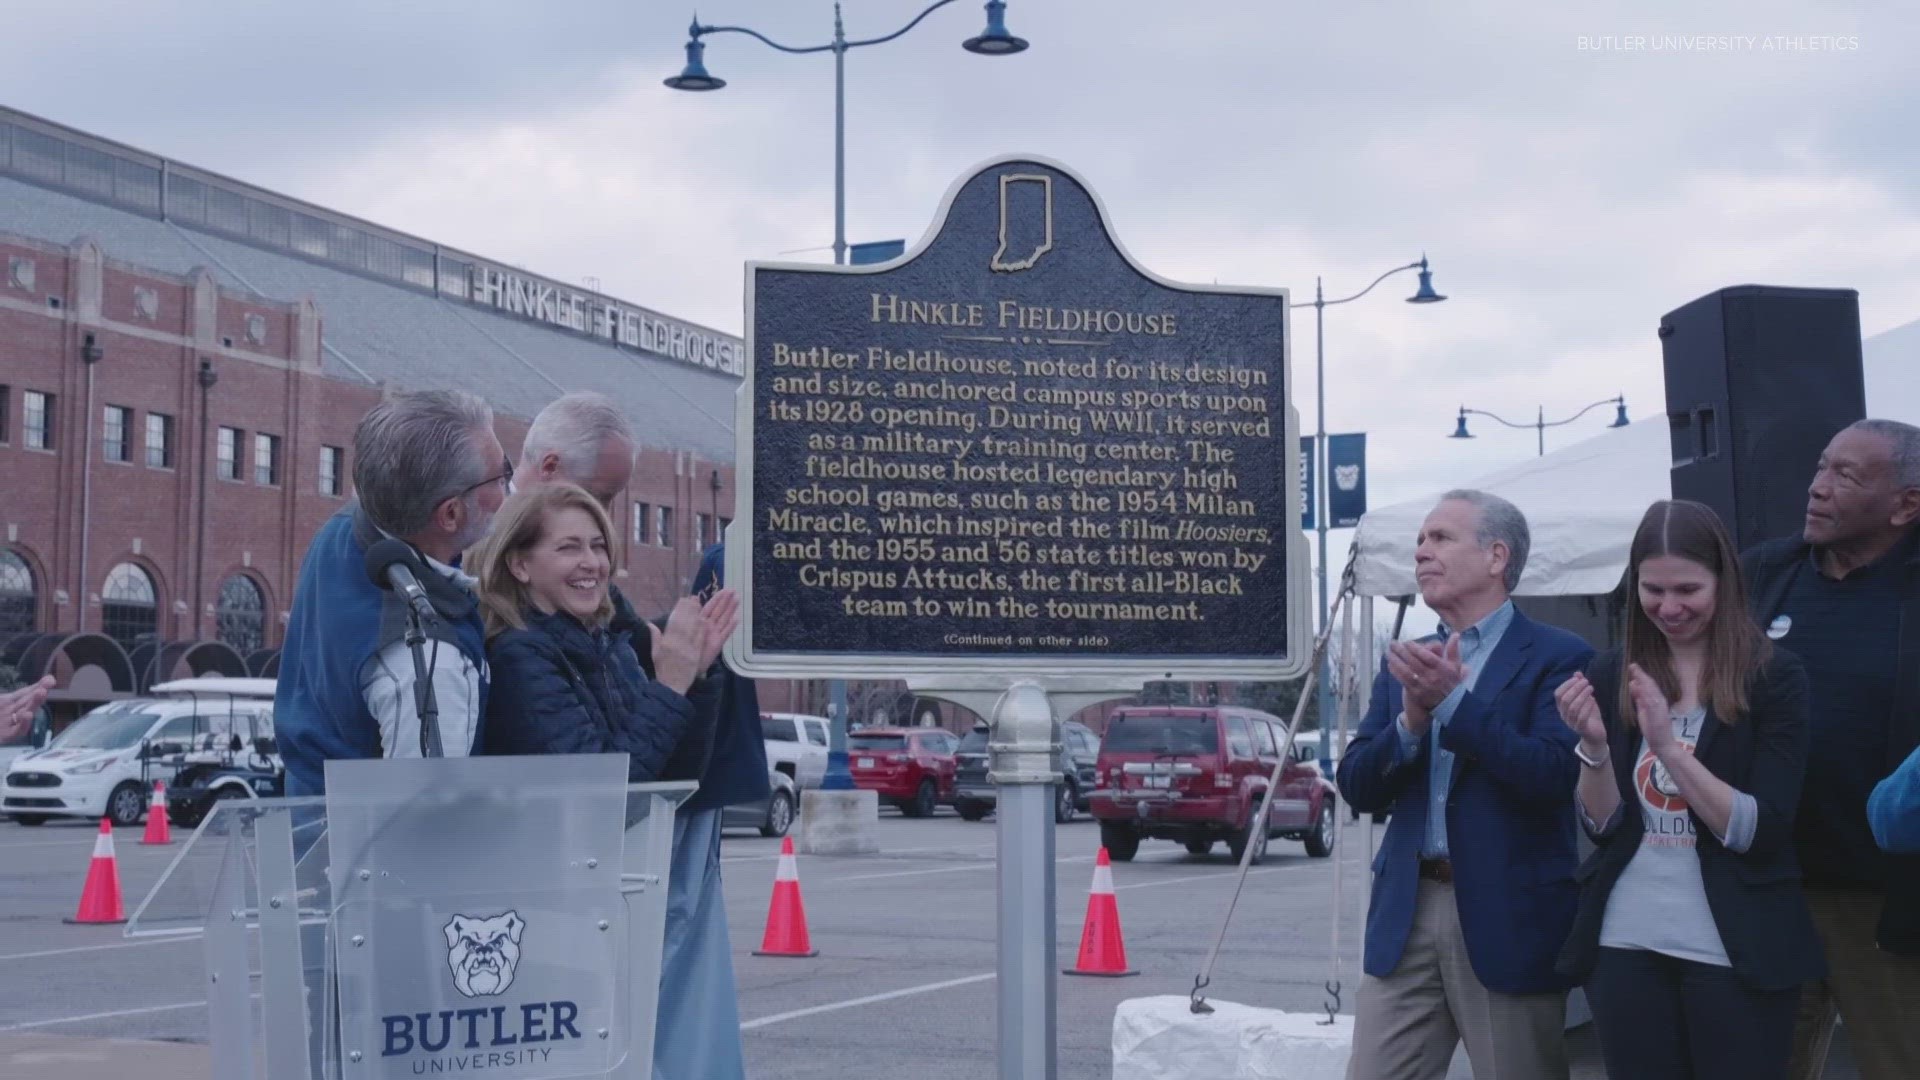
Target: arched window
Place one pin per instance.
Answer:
(241, 617)
(129, 612)
(19, 597)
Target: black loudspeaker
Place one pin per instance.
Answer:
(1759, 379)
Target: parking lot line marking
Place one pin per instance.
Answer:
(170, 940)
(854, 1003)
(939, 849)
(1193, 878)
(940, 870)
(31, 1024)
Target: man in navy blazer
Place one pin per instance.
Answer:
(1473, 891)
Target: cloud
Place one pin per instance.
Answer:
(1570, 184)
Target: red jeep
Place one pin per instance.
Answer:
(913, 768)
(1197, 775)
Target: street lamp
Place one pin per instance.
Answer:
(1541, 423)
(995, 40)
(1422, 295)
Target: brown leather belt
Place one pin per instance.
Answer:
(1440, 870)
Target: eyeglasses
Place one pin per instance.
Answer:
(504, 478)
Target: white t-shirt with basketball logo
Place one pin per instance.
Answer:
(1660, 902)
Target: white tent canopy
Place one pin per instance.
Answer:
(1583, 502)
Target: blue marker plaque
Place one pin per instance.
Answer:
(1013, 447)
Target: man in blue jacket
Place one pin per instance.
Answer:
(1894, 809)
(583, 438)
(427, 470)
(1473, 891)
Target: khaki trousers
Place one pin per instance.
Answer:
(1876, 994)
(1407, 1025)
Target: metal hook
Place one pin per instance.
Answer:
(1333, 1008)
(1197, 1004)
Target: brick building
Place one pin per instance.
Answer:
(183, 358)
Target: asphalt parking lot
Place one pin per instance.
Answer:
(903, 984)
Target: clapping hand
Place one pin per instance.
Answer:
(1427, 672)
(693, 638)
(1582, 713)
(1650, 706)
(17, 706)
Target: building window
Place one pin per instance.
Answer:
(129, 612)
(700, 531)
(663, 526)
(39, 421)
(639, 523)
(6, 413)
(159, 441)
(19, 597)
(330, 470)
(266, 459)
(229, 453)
(241, 617)
(116, 433)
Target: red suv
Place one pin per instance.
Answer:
(1197, 775)
(912, 768)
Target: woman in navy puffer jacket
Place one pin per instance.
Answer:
(562, 681)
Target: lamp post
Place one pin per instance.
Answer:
(1541, 423)
(1423, 295)
(993, 41)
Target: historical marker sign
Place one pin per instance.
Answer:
(1013, 450)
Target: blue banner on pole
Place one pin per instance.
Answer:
(1308, 501)
(1346, 480)
(877, 251)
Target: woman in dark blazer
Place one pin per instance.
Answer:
(565, 679)
(1692, 936)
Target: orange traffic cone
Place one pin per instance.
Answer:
(786, 916)
(157, 831)
(100, 896)
(1102, 952)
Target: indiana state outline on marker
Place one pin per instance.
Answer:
(1026, 221)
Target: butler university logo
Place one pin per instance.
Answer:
(483, 952)
(1346, 477)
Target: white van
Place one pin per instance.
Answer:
(105, 764)
(797, 746)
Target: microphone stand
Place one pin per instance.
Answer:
(423, 699)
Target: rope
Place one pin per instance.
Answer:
(1196, 1001)
(1343, 705)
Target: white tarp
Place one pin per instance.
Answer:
(1160, 1038)
(1583, 502)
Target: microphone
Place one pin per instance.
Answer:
(391, 565)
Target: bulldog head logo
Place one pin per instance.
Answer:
(1346, 477)
(483, 952)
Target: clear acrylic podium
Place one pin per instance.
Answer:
(493, 916)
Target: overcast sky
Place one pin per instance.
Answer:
(1572, 174)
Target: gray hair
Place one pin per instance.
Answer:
(575, 426)
(416, 450)
(1500, 522)
(1903, 443)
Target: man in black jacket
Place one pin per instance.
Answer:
(1845, 597)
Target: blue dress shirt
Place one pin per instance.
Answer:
(1477, 642)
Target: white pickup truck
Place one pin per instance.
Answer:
(797, 746)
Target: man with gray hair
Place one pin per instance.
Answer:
(1473, 893)
(1844, 597)
(584, 439)
(428, 471)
